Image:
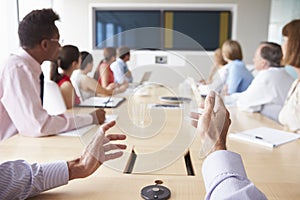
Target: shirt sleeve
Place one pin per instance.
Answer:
(219, 80)
(258, 93)
(233, 79)
(20, 180)
(225, 178)
(22, 101)
(117, 71)
(289, 114)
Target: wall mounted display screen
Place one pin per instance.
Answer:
(151, 29)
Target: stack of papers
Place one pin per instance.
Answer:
(264, 136)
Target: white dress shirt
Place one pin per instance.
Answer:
(118, 68)
(218, 82)
(76, 79)
(225, 178)
(21, 110)
(20, 180)
(266, 93)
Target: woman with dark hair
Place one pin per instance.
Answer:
(290, 113)
(69, 59)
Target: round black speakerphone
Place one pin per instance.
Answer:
(154, 192)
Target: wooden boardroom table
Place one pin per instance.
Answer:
(276, 172)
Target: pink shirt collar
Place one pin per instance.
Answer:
(34, 64)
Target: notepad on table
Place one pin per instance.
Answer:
(102, 102)
(81, 131)
(264, 136)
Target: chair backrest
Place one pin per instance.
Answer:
(53, 100)
(75, 82)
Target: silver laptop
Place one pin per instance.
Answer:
(145, 78)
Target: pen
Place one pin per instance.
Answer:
(106, 102)
(258, 137)
(166, 106)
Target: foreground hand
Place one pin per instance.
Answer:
(213, 124)
(96, 153)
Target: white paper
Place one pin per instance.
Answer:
(102, 102)
(264, 136)
(81, 131)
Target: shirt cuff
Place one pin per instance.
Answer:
(221, 162)
(55, 174)
(83, 120)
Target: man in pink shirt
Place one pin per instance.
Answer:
(21, 109)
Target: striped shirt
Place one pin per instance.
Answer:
(225, 177)
(21, 180)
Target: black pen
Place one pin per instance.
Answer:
(258, 137)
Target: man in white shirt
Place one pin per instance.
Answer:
(269, 89)
(223, 171)
(119, 68)
(21, 108)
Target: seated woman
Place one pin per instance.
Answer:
(103, 74)
(217, 74)
(289, 116)
(86, 86)
(68, 60)
(239, 77)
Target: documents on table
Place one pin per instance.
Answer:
(102, 102)
(264, 136)
(81, 131)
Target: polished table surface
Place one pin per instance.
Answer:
(275, 171)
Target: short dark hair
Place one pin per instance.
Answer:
(123, 51)
(36, 26)
(271, 52)
(86, 58)
(67, 56)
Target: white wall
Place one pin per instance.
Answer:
(282, 12)
(9, 27)
(252, 24)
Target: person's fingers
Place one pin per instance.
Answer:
(116, 137)
(209, 102)
(110, 147)
(121, 146)
(201, 105)
(107, 126)
(115, 155)
(219, 103)
(194, 115)
(194, 118)
(208, 110)
(113, 137)
(194, 123)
